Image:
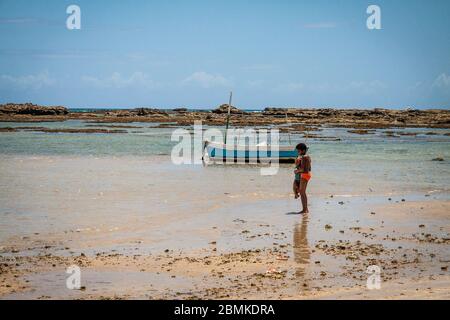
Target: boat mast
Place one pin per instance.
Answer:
(289, 129)
(228, 117)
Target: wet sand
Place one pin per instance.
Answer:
(143, 228)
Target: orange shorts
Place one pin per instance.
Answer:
(306, 176)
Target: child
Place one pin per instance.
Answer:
(302, 175)
(296, 184)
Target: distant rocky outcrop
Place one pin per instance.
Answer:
(119, 113)
(137, 112)
(32, 109)
(280, 112)
(148, 111)
(292, 119)
(223, 108)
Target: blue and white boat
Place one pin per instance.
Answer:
(263, 152)
(256, 153)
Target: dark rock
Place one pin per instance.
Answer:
(147, 111)
(8, 129)
(32, 109)
(223, 109)
(361, 131)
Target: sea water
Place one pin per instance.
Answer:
(407, 158)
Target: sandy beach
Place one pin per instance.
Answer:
(143, 228)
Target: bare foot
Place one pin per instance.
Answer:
(296, 196)
(305, 212)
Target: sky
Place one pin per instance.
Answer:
(177, 53)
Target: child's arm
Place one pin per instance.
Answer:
(304, 167)
(297, 162)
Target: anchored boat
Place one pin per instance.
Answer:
(248, 153)
(261, 152)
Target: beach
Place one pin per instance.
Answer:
(140, 227)
(186, 152)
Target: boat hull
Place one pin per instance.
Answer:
(253, 153)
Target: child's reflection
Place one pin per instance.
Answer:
(301, 249)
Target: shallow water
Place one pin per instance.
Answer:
(111, 190)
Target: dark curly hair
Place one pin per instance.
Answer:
(301, 147)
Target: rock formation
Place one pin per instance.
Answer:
(32, 109)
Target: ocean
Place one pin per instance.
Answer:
(406, 159)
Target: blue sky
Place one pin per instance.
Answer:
(192, 53)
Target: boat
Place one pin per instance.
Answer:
(256, 153)
(217, 151)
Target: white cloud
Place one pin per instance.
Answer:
(442, 82)
(36, 81)
(116, 80)
(207, 80)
